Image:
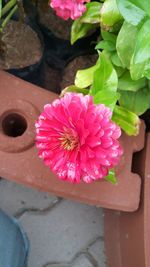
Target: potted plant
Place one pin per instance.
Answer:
(17, 33)
(119, 79)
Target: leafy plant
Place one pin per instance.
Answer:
(120, 78)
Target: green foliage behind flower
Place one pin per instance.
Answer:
(120, 77)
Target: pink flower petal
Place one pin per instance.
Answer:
(77, 139)
(69, 8)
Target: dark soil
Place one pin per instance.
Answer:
(51, 78)
(59, 27)
(22, 47)
(81, 62)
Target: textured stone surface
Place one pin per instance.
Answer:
(98, 252)
(57, 265)
(82, 261)
(15, 199)
(62, 232)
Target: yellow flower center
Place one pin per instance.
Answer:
(69, 141)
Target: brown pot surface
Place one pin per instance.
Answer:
(21, 103)
(127, 235)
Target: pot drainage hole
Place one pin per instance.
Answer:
(14, 125)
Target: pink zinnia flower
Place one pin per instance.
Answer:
(77, 138)
(69, 8)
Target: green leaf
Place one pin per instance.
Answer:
(109, 42)
(141, 54)
(73, 88)
(88, 21)
(116, 60)
(134, 11)
(127, 120)
(137, 102)
(6, 9)
(126, 83)
(79, 30)
(106, 45)
(107, 98)
(105, 76)
(109, 14)
(111, 177)
(104, 87)
(119, 71)
(144, 5)
(126, 43)
(8, 17)
(108, 36)
(92, 14)
(84, 78)
(147, 70)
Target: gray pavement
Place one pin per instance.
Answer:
(62, 233)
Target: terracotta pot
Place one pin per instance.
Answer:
(127, 235)
(21, 103)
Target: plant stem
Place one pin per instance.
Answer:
(0, 9)
(6, 20)
(8, 6)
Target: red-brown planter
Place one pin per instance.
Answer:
(21, 103)
(127, 235)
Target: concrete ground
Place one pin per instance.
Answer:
(62, 233)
